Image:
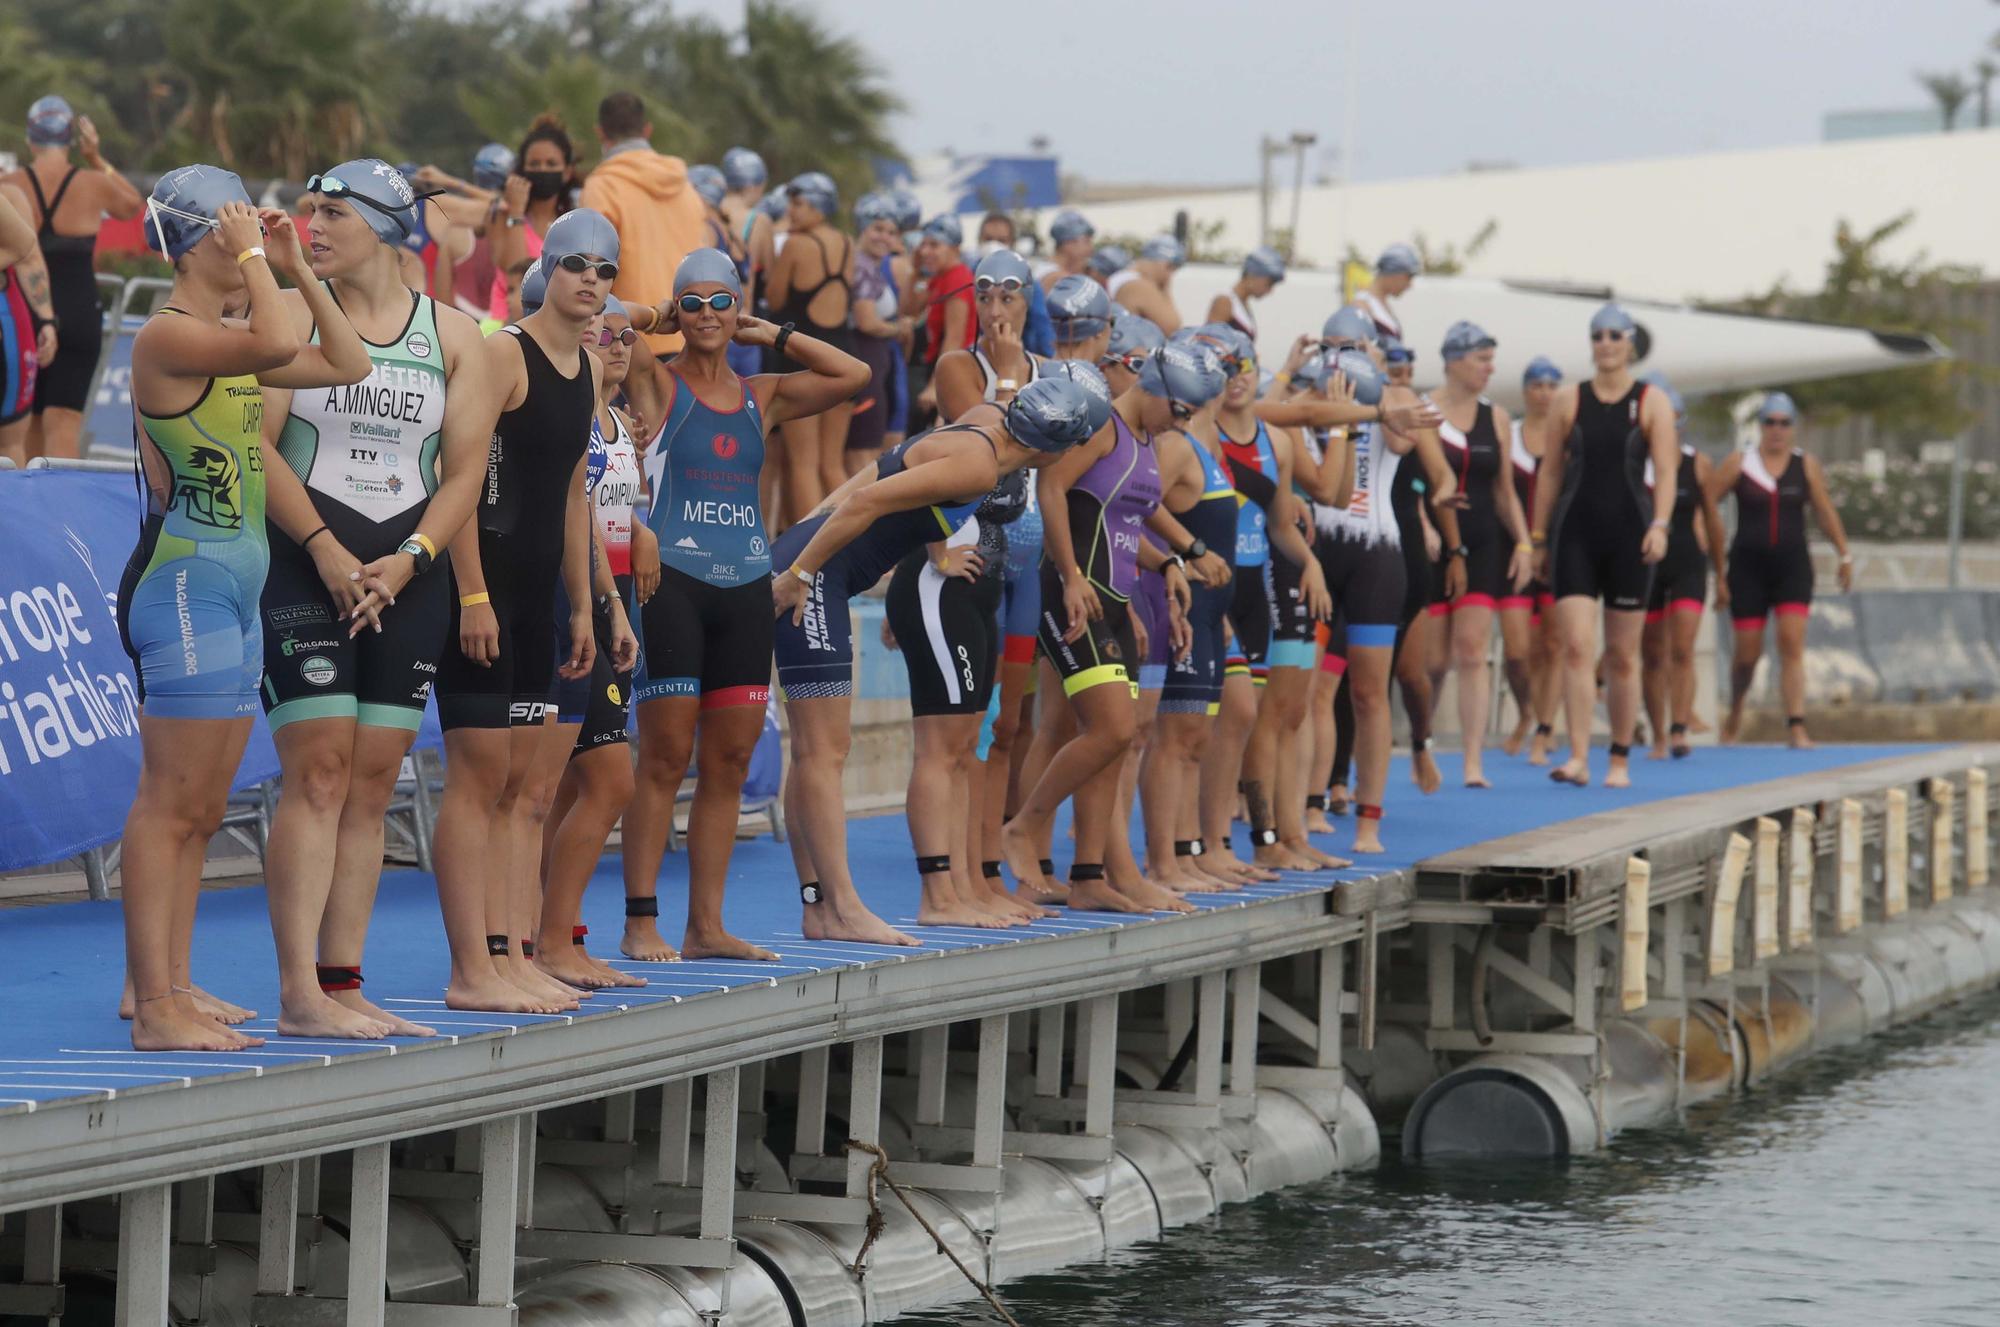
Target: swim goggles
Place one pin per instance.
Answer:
(719, 301)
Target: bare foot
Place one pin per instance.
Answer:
(1049, 894)
(611, 976)
(1658, 751)
(1574, 772)
(1316, 821)
(721, 944)
(1475, 777)
(521, 972)
(570, 969)
(1798, 740)
(172, 1023)
(993, 895)
(824, 921)
(397, 1024)
(1326, 860)
(1279, 857)
(1731, 727)
(1367, 837)
(320, 1015)
(957, 912)
(644, 943)
(1226, 865)
(1512, 744)
(1424, 771)
(1619, 775)
(1538, 748)
(1100, 896)
(1216, 882)
(1022, 854)
(1153, 896)
(1697, 724)
(489, 992)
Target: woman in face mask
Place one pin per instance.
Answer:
(542, 188)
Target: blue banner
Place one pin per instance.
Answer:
(69, 695)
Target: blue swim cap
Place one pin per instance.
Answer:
(535, 287)
(584, 231)
(1164, 249)
(1779, 403)
(1462, 338)
(945, 229)
(708, 267)
(1184, 371)
(818, 189)
(182, 209)
(1360, 371)
(1050, 415)
(1086, 376)
(743, 169)
(1351, 323)
(615, 308)
(1109, 260)
(381, 193)
(909, 212)
(1003, 264)
(1265, 261)
(1070, 224)
(708, 182)
(1612, 318)
(1132, 333)
(1079, 308)
(491, 165)
(774, 203)
(1233, 349)
(1396, 352)
(51, 122)
(873, 207)
(1399, 260)
(1655, 378)
(1541, 369)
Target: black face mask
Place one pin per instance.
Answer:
(544, 183)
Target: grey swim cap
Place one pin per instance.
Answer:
(818, 189)
(1362, 373)
(1779, 403)
(182, 209)
(534, 287)
(743, 169)
(1265, 261)
(774, 203)
(1351, 323)
(1462, 338)
(1086, 376)
(1109, 260)
(491, 166)
(909, 212)
(1079, 308)
(1134, 334)
(51, 122)
(1612, 318)
(584, 231)
(1050, 415)
(873, 207)
(705, 267)
(945, 229)
(1002, 265)
(708, 181)
(381, 192)
(1399, 260)
(1070, 224)
(1184, 371)
(1165, 249)
(1541, 369)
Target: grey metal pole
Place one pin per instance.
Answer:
(1299, 145)
(1955, 531)
(1264, 146)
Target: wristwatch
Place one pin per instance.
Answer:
(1196, 550)
(419, 555)
(1459, 552)
(603, 604)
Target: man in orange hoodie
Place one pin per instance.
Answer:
(659, 216)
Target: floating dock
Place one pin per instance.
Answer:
(1535, 969)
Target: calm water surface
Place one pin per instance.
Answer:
(1860, 1187)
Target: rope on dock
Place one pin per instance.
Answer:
(878, 1173)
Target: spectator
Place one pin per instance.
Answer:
(647, 197)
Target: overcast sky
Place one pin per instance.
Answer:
(1179, 90)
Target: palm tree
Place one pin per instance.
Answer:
(1986, 69)
(1950, 91)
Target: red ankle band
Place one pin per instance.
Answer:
(1363, 811)
(576, 934)
(335, 978)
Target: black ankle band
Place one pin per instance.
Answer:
(1796, 721)
(576, 934)
(991, 870)
(1048, 865)
(1183, 847)
(1264, 838)
(1545, 730)
(933, 865)
(809, 892)
(527, 949)
(642, 907)
(1086, 871)
(1620, 751)
(1677, 730)
(335, 978)
(497, 946)
(1315, 801)
(1199, 846)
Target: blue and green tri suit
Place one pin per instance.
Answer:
(188, 603)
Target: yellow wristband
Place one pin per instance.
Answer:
(468, 600)
(429, 547)
(807, 577)
(254, 251)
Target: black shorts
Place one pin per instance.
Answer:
(65, 383)
(518, 690)
(1291, 616)
(1194, 681)
(949, 635)
(601, 701)
(1106, 652)
(1680, 584)
(872, 412)
(1766, 581)
(1423, 579)
(1253, 618)
(1366, 583)
(312, 670)
(712, 641)
(1602, 562)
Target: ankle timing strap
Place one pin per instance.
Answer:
(1619, 751)
(809, 892)
(1315, 801)
(1545, 730)
(576, 934)
(1183, 847)
(642, 907)
(335, 978)
(990, 870)
(1048, 865)
(527, 949)
(497, 946)
(1086, 871)
(938, 865)
(1677, 730)
(1363, 811)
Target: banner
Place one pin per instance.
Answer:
(69, 695)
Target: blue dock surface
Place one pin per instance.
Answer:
(61, 1040)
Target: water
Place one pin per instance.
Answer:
(1862, 1186)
